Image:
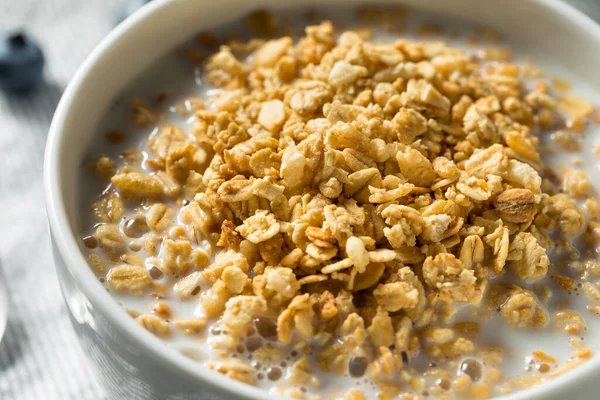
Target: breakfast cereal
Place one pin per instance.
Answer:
(342, 209)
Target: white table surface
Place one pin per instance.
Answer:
(39, 354)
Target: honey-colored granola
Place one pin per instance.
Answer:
(355, 193)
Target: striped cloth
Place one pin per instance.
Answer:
(39, 354)
(40, 357)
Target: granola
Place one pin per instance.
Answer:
(345, 200)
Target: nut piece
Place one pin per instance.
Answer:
(269, 53)
(355, 248)
(343, 73)
(272, 115)
(516, 205)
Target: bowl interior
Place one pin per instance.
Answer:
(561, 41)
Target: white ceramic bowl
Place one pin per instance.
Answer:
(132, 363)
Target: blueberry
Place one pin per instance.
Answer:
(129, 8)
(21, 62)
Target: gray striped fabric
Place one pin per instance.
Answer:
(39, 354)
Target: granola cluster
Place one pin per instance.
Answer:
(354, 193)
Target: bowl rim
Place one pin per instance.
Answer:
(104, 303)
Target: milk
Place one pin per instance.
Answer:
(180, 78)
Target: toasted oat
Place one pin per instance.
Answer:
(577, 358)
(154, 324)
(240, 310)
(191, 326)
(571, 322)
(592, 292)
(297, 316)
(576, 183)
(141, 115)
(576, 106)
(105, 167)
(404, 224)
(451, 349)
(446, 275)
(260, 227)
(109, 208)
(523, 310)
(160, 216)
(283, 281)
(97, 263)
(271, 52)
(176, 256)
(381, 330)
(357, 193)
(333, 359)
(302, 373)
(235, 279)
(189, 285)
(396, 296)
(567, 140)
(355, 395)
(570, 218)
(531, 261)
(129, 278)
(137, 184)
(235, 369)
(467, 328)
(110, 240)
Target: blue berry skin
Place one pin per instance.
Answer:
(129, 7)
(21, 63)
